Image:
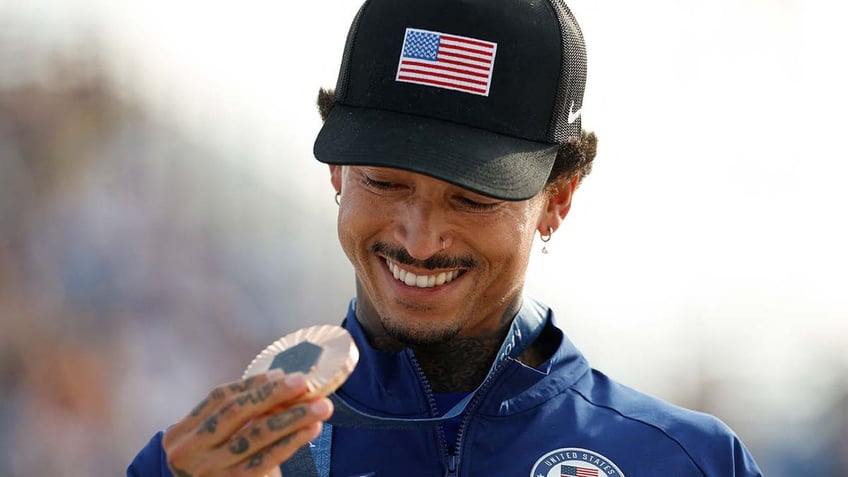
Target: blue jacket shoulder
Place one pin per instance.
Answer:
(710, 444)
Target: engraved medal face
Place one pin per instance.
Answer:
(325, 354)
(300, 358)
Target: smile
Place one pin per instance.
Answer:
(421, 281)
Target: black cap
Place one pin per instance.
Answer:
(478, 93)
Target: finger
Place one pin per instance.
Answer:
(238, 409)
(194, 450)
(263, 432)
(214, 400)
(278, 451)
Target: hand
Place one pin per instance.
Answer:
(245, 428)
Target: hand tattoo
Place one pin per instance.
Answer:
(240, 445)
(209, 425)
(280, 421)
(257, 395)
(242, 386)
(196, 411)
(255, 461)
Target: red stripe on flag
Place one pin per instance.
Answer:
(443, 75)
(465, 48)
(581, 472)
(466, 40)
(464, 57)
(442, 83)
(445, 68)
(467, 65)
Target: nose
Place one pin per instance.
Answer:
(422, 230)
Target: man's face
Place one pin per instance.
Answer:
(433, 260)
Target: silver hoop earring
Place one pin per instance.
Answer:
(546, 238)
(338, 198)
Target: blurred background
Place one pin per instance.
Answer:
(162, 218)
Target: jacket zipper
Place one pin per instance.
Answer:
(453, 459)
(453, 465)
(434, 411)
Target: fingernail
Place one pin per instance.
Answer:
(296, 380)
(275, 374)
(320, 408)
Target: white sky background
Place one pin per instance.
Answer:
(711, 234)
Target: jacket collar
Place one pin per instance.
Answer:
(394, 383)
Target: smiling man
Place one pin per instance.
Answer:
(453, 137)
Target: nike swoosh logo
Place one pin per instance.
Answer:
(572, 114)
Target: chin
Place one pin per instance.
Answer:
(422, 335)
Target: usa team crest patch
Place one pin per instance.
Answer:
(574, 462)
(446, 61)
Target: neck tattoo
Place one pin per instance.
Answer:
(457, 365)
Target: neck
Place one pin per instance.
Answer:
(459, 365)
(456, 365)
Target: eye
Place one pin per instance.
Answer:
(379, 185)
(476, 205)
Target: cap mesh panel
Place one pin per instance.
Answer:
(572, 76)
(344, 70)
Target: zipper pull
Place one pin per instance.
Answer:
(453, 466)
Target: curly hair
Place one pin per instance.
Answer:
(574, 156)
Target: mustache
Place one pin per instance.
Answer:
(401, 256)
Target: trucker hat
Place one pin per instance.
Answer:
(478, 93)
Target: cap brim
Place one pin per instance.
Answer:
(487, 163)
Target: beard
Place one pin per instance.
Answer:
(415, 335)
(390, 332)
(411, 333)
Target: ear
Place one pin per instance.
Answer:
(336, 177)
(558, 197)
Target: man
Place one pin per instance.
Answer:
(452, 137)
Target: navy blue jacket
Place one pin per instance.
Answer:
(560, 419)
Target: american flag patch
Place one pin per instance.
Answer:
(446, 61)
(570, 470)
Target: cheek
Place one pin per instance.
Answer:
(359, 221)
(347, 229)
(524, 223)
(516, 237)
(346, 223)
(508, 243)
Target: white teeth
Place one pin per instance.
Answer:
(421, 281)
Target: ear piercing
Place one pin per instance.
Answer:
(546, 238)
